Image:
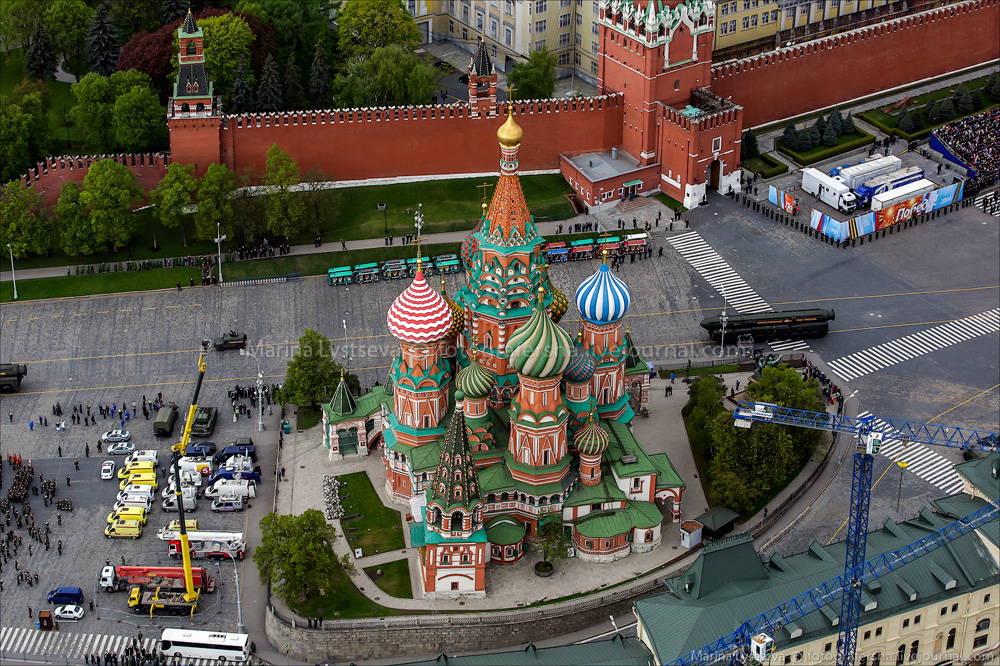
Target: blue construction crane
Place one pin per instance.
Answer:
(870, 433)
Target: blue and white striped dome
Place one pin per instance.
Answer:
(603, 298)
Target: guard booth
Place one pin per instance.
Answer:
(45, 621)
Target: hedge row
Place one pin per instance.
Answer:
(863, 139)
(772, 166)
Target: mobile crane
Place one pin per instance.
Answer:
(870, 433)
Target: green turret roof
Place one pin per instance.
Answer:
(540, 348)
(455, 484)
(343, 402)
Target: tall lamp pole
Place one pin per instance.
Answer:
(219, 237)
(724, 319)
(12, 278)
(240, 627)
(260, 390)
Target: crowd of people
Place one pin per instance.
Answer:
(976, 141)
(262, 250)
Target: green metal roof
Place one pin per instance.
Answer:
(425, 458)
(622, 443)
(717, 517)
(504, 530)
(980, 474)
(728, 584)
(604, 491)
(616, 652)
(666, 477)
(606, 524)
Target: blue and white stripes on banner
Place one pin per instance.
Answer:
(866, 224)
(602, 298)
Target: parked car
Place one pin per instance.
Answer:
(116, 436)
(68, 612)
(120, 448)
(227, 504)
(231, 340)
(200, 448)
(204, 421)
(108, 470)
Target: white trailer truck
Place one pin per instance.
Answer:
(829, 190)
(854, 176)
(900, 194)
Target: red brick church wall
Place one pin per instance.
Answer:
(354, 144)
(831, 70)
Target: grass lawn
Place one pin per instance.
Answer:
(395, 578)
(379, 528)
(103, 283)
(671, 203)
(766, 165)
(308, 417)
(341, 600)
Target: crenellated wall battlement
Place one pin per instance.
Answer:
(48, 175)
(796, 79)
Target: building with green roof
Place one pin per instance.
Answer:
(354, 425)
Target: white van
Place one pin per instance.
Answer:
(144, 491)
(134, 502)
(232, 488)
(170, 504)
(145, 456)
(187, 492)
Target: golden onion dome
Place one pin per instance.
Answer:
(457, 314)
(510, 133)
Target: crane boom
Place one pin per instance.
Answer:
(191, 594)
(871, 432)
(836, 588)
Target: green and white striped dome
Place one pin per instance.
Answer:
(474, 381)
(539, 349)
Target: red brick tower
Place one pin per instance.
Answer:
(194, 115)
(482, 83)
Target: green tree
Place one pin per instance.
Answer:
(295, 555)
(109, 191)
(227, 42)
(269, 90)
(393, 76)
(173, 197)
(932, 112)
(820, 124)
(139, 119)
(947, 110)
(965, 105)
(748, 464)
(917, 115)
(123, 82)
(242, 99)
(536, 78)
(292, 84)
(837, 121)
(132, 16)
(553, 540)
(23, 222)
(77, 235)
(319, 78)
(19, 19)
(805, 140)
(25, 134)
(785, 387)
(815, 136)
(215, 203)
(829, 136)
(790, 139)
(284, 207)
(321, 199)
(249, 207)
(173, 10)
(366, 25)
(748, 146)
(40, 60)
(977, 99)
(67, 21)
(296, 23)
(905, 122)
(312, 374)
(102, 42)
(94, 111)
(705, 396)
(849, 127)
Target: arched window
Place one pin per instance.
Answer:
(199, 107)
(649, 536)
(877, 659)
(444, 560)
(951, 639)
(465, 558)
(456, 520)
(914, 649)
(423, 477)
(677, 84)
(191, 48)
(983, 624)
(503, 497)
(185, 107)
(542, 501)
(458, 492)
(554, 499)
(491, 497)
(900, 654)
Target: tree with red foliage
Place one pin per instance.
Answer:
(153, 52)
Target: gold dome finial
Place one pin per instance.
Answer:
(510, 133)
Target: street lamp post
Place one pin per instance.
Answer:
(724, 319)
(240, 627)
(260, 390)
(219, 237)
(902, 465)
(12, 278)
(840, 451)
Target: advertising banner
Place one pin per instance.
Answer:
(825, 224)
(781, 199)
(900, 212)
(860, 226)
(945, 196)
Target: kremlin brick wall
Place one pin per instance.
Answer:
(47, 177)
(828, 71)
(357, 144)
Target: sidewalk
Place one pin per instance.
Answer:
(606, 219)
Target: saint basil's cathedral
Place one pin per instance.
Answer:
(495, 420)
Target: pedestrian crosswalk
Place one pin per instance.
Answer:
(718, 273)
(989, 203)
(910, 346)
(930, 466)
(66, 644)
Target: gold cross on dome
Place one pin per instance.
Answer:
(510, 96)
(484, 187)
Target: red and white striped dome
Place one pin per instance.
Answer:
(419, 315)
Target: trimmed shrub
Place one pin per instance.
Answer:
(829, 136)
(905, 122)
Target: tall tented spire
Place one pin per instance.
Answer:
(343, 402)
(190, 27)
(508, 217)
(482, 64)
(454, 494)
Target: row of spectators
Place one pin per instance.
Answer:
(976, 141)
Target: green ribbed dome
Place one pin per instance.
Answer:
(539, 349)
(591, 439)
(474, 381)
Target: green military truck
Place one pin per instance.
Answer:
(11, 375)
